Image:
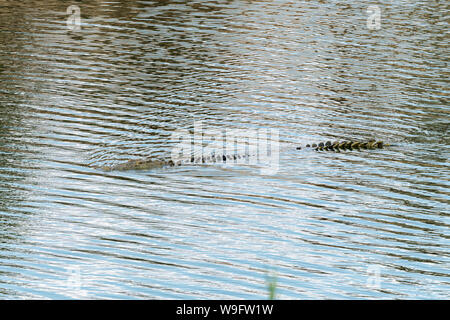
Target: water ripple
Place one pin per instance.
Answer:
(325, 223)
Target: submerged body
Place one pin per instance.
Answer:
(151, 163)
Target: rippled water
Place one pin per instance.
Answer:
(328, 225)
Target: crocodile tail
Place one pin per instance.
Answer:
(338, 146)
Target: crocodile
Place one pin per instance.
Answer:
(150, 163)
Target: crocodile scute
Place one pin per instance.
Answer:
(338, 146)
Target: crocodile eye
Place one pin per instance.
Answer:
(314, 145)
(308, 146)
(298, 148)
(321, 144)
(328, 143)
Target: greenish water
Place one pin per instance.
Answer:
(326, 225)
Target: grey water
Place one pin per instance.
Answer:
(352, 225)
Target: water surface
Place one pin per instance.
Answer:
(328, 225)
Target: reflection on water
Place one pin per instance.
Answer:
(330, 225)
